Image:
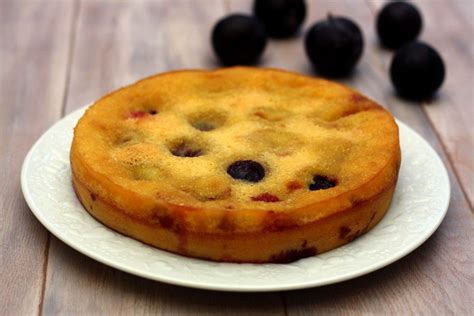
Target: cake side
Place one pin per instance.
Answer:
(280, 244)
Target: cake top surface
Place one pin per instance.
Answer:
(236, 138)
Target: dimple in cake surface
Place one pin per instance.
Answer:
(238, 164)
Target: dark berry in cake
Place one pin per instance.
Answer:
(281, 18)
(247, 170)
(321, 183)
(334, 46)
(417, 71)
(238, 39)
(186, 150)
(398, 23)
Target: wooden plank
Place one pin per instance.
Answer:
(118, 43)
(465, 10)
(448, 27)
(453, 110)
(135, 40)
(79, 285)
(437, 277)
(33, 65)
(279, 53)
(441, 264)
(370, 76)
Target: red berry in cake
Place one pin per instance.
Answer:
(266, 197)
(137, 114)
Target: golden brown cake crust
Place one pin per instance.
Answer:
(150, 161)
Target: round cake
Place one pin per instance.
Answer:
(238, 164)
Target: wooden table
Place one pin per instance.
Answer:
(56, 56)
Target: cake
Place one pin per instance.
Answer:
(236, 165)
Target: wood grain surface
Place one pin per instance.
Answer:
(33, 68)
(56, 56)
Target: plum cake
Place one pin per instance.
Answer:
(237, 164)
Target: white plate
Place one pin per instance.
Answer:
(419, 205)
